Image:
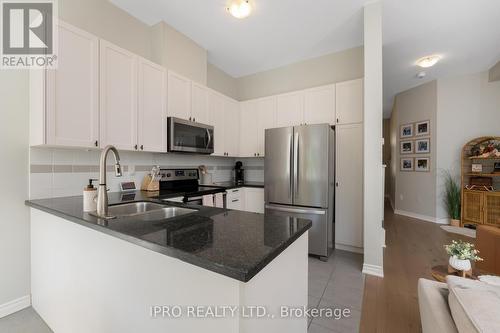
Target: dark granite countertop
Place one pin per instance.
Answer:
(230, 185)
(233, 243)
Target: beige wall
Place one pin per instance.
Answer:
(494, 74)
(386, 153)
(179, 53)
(415, 191)
(334, 67)
(222, 82)
(14, 215)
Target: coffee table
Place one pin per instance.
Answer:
(440, 272)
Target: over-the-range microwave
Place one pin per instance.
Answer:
(187, 136)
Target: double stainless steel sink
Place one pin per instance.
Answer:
(147, 211)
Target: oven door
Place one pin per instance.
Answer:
(190, 137)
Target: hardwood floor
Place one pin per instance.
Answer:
(413, 247)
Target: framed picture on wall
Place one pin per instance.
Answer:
(406, 131)
(423, 128)
(407, 164)
(423, 146)
(422, 164)
(406, 147)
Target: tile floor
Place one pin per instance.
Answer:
(337, 283)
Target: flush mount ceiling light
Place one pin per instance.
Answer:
(428, 61)
(239, 8)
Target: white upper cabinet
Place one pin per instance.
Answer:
(248, 129)
(231, 127)
(216, 119)
(349, 102)
(72, 92)
(179, 96)
(266, 118)
(319, 105)
(152, 109)
(118, 97)
(289, 109)
(199, 103)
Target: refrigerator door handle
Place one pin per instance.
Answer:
(296, 164)
(291, 166)
(296, 210)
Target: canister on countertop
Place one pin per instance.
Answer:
(89, 197)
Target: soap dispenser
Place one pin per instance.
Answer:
(89, 195)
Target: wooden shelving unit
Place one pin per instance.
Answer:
(479, 206)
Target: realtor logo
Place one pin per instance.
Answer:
(28, 34)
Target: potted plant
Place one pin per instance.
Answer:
(452, 198)
(461, 253)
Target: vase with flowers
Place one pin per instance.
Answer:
(461, 254)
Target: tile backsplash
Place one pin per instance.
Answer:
(57, 172)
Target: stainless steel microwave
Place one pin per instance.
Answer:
(190, 137)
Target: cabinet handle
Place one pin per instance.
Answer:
(337, 184)
(96, 143)
(337, 120)
(189, 118)
(194, 119)
(235, 200)
(135, 147)
(142, 147)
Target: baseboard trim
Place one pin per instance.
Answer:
(349, 248)
(373, 270)
(15, 305)
(420, 217)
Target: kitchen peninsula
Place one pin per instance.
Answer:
(93, 275)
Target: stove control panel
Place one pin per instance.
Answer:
(178, 174)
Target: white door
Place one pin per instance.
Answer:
(199, 103)
(73, 90)
(152, 110)
(290, 109)
(216, 117)
(349, 102)
(266, 118)
(179, 96)
(319, 105)
(254, 200)
(248, 129)
(118, 97)
(231, 127)
(349, 185)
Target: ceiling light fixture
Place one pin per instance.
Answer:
(428, 61)
(239, 8)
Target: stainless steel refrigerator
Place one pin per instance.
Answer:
(299, 179)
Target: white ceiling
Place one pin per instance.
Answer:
(279, 32)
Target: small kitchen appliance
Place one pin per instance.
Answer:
(239, 173)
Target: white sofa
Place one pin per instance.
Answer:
(459, 305)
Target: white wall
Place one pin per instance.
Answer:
(414, 191)
(14, 215)
(65, 172)
(468, 107)
(373, 187)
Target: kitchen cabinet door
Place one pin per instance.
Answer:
(152, 108)
(179, 96)
(266, 118)
(199, 103)
(248, 129)
(349, 102)
(254, 200)
(290, 109)
(118, 98)
(216, 118)
(231, 127)
(72, 91)
(319, 105)
(349, 185)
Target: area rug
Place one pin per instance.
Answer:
(461, 231)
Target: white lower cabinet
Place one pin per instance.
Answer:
(248, 199)
(349, 186)
(234, 199)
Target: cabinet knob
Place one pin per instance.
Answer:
(96, 143)
(189, 118)
(337, 120)
(135, 147)
(142, 147)
(337, 184)
(194, 119)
